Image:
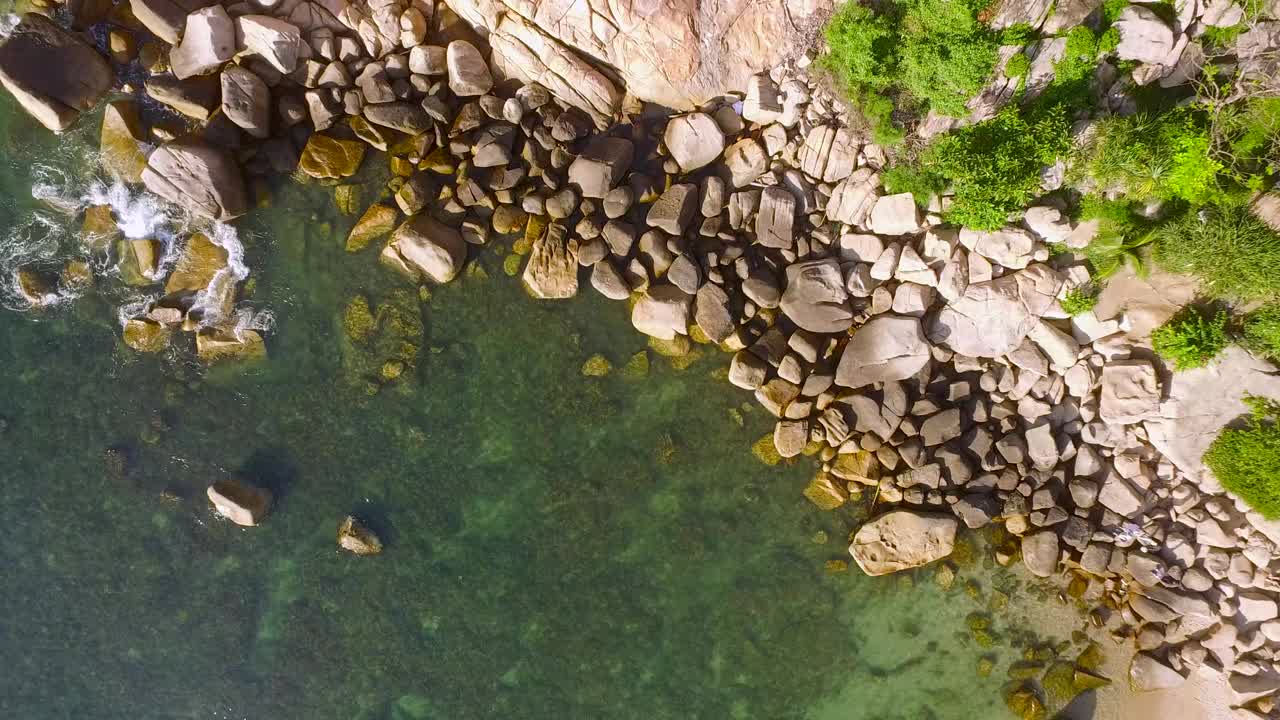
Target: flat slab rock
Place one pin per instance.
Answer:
(901, 540)
(993, 318)
(888, 348)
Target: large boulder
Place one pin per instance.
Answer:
(246, 101)
(694, 140)
(120, 143)
(271, 39)
(53, 74)
(425, 247)
(601, 165)
(468, 72)
(240, 502)
(993, 318)
(901, 540)
(886, 349)
(815, 298)
(662, 312)
(1145, 37)
(677, 53)
(166, 18)
(203, 179)
(1130, 392)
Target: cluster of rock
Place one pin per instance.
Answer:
(247, 505)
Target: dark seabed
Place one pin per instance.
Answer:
(558, 546)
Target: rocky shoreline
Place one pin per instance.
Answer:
(929, 367)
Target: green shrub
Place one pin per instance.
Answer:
(1246, 460)
(1122, 235)
(1262, 332)
(1079, 300)
(909, 178)
(1146, 157)
(1191, 338)
(863, 53)
(1017, 66)
(994, 166)
(1234, 253)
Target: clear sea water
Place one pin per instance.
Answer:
(557, 546)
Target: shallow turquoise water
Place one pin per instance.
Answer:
(558, 546)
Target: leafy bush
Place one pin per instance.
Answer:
(1262, 332)
(1121, 235)
(1191, 338)
(1017, 66)
(863, 54)
(1079, 300)
(994, 166)
(1246, 460)
(1234, 253)
(1145, 157)
(908, 178)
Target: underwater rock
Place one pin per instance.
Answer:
(377, 221)
(239, 502)
(901, 540)
(146, 336)
(424, 247)
(218, 345)
(200, 260)
(36, 287)
(355, 537)
(328, 157)
(596, 366)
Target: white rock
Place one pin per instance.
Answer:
(895, 215)
(1061, 348)
(468, 72)
(993, 318)
(1040, 552)
(1047, 223)
(1256, 607)
(1144, 36)
(209, 41)
(274, 40)
(662, 312)
(1010, 247)
(694, 140)
(1130, 392)
(816, 298)
(1147, 674)
(855, 247)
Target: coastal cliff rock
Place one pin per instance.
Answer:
(676, 54)
(53, 74)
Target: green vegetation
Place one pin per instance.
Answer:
(1246, 460)
(908, 178)
(994, 166)
(1234, 253)
(1080, 300)
(1262, 332)
(1191, 338)
(1144, 157)
(914, 56)
(1017, 66)
(1122, 234)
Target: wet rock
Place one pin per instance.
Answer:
(1146, 674)
(208, 41)
(355, 537)
(694, 140)
(887, 348)
(329, 157)
(239, 502)
(146, 336)
(53, 74)
(552, 271)
(662, 312)
(901, 540)
(815, 297)
(422, 246)
(201, 178)
(1040, 552)
(120, 141)
(468, 72)
(853, 198)
(376, 221)
(217, 346)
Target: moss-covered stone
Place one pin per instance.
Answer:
(836, 567)
(220, 346)
(326, 157)
(120, 142)
(1083, 680)
(1025, 702)
(1025, 670)
(597, 366)
(146, 336)
(637, 366)
(99, 230)
(766, 452)
(823, 490)
(378, 220)
(511, 265)
(985, 666)
(347, 198)
(679, 346)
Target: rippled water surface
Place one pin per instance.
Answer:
(558, 546)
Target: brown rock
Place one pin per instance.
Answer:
(53, 74)
(377, 221)
(355, 537)
(239, 502)
(119, 142)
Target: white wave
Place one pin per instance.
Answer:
(210, 303)
(137, 306)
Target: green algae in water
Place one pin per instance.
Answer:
(556, 547)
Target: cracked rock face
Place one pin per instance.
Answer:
(676, 53)
(202, 178)
(993, 318)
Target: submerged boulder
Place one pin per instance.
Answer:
(901, 540)
(355, 537)
(53, 74)
(121, 141)
(240, 502)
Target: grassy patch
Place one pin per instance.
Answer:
(908, 178)
(1153, 157)
(1079, 300)
(1246, 460)
(1191, 338)
(1262, 332)
(1235, 254)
